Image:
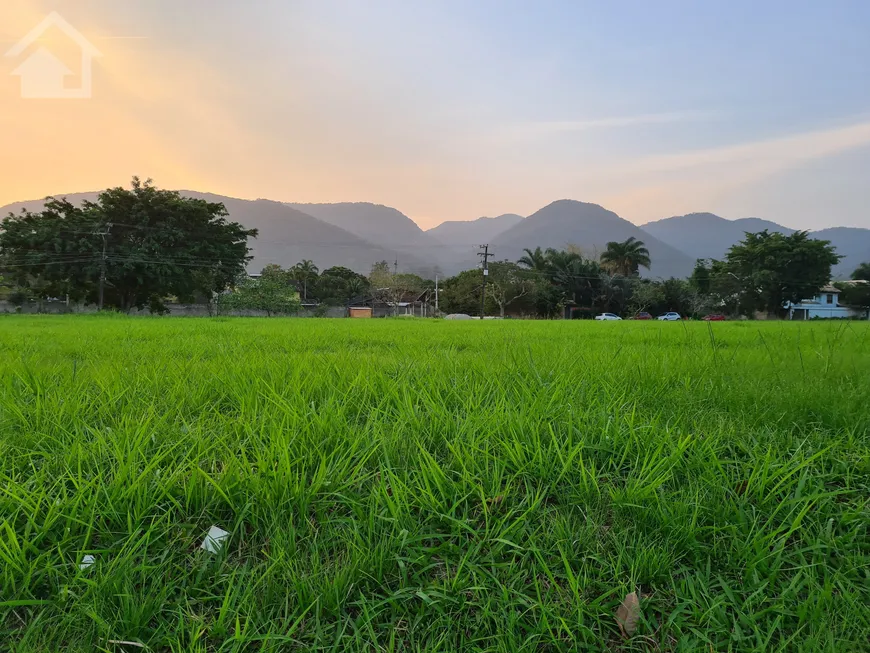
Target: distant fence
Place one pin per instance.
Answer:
(175, 310)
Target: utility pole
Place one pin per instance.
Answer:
(436, 295)
(486, 256)
(396, 267)
(105, 235)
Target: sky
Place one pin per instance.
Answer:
(455, 109)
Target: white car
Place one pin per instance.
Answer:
(606, 317)
(669, 317)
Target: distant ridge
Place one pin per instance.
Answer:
(461, 233)
(705, 235)
(378, 224)
(357, 234)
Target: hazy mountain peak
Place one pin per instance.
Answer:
(462, 233)
(706, 235)
(374, 222)
(569, 203)
(587, 226)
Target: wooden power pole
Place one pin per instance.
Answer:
(485, 255)
(105, 235)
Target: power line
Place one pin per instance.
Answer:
(56, 262)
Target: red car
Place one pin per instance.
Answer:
(642, 316)
(714, 318)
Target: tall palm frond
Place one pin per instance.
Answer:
(535, 260)
(626, 258)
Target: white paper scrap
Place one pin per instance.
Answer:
(87, 561)
(214, 539)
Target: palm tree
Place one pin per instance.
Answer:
(626, 258)
(559, 260)
(304, 272)
(534, 260)
(355, 287)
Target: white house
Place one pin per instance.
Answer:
(824, 305)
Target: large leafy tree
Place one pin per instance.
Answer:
(392, 288)
(702, 278)
(677, 296)
(862, 272)
(276, 273)
(719, 290)
(147, 243)
(855, 294)
(462, 293)
(338, 285)
(774, 268)
(547, 300)
(339, 272)
(626, 257)
(508, 287)
(507, 284)
(271, 294)
(648, 296)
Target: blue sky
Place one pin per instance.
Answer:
(453, 109)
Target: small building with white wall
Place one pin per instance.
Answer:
(824, 305)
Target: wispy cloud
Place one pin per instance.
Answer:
(759, 157)
(550, 127)
(698, 179)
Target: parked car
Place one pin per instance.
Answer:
(642, 316)
(714, 317)
(605, 317)
(669, 317)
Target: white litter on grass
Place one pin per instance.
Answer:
(214, 539)
(87, 561)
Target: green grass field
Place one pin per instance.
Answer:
(401, 485)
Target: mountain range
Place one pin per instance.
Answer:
(357, 234)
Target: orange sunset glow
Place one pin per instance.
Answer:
(289, 101)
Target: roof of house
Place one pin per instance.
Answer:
(829, 288)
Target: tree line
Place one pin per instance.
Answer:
(285, 291)
(760, 274)
(142, 247)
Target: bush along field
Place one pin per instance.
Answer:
(410, 485)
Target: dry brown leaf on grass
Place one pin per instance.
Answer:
(628, 614)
